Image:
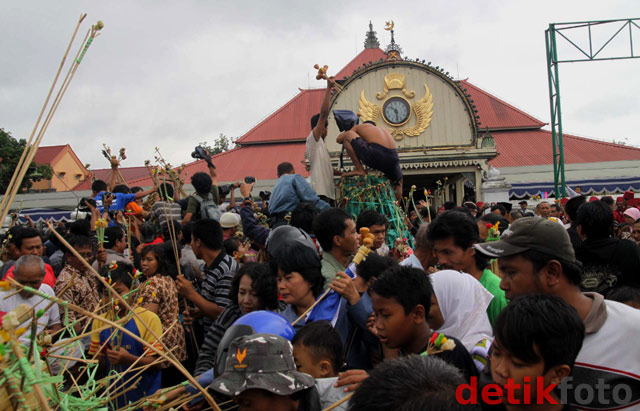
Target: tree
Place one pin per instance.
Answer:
(221, 144)
(11, 150)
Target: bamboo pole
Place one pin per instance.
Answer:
(5, 205)
(169, 357)
(316, 302)
(42, 400)
(339, 403)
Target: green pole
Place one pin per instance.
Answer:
(556, 114)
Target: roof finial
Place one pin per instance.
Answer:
(371, 41)
(393, 50)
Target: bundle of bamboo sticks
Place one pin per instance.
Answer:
(39, 129)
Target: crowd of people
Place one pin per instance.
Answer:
(263, 303)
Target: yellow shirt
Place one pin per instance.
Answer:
(148, 324)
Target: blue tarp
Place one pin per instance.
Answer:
(43, 214)
(595, 186)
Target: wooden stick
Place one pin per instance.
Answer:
(304, 314)
(17, 351)
(121, 393)
(5, 204)
(169, 357)
(137, 360)
(339, 403)
(64, 357)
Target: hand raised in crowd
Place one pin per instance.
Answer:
(185, 288)
(344, 286)
(351, 379)
(245, 189)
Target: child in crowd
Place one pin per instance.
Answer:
(401, 297)
(117, 350)
(536, 337)
(317, 351)
(239, 249)
(412, 383)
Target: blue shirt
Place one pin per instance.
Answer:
(291, 190)
(120, 201)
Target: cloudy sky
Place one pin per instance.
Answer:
(174, 73)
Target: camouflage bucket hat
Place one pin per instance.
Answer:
(261, 361)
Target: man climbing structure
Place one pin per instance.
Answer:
(373, 146)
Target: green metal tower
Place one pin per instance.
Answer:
(627, 27)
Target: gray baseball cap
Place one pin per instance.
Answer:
(261, 361)
(531, 233)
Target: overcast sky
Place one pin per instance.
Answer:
(174, 73)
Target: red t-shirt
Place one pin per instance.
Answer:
(49, 275)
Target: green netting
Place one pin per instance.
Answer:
(370, 192)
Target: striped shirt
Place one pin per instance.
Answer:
(162, 209)
(209, 348)
(207, 355)
(216, 285)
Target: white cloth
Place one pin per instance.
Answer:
(412, 261)
(383, 251)
(610, 353)
(321, 170)
(329, 395)
(463, 302)
(50, 317)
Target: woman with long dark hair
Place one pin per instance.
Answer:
(253, 288)
(159, 294)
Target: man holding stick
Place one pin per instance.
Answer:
(316, 151)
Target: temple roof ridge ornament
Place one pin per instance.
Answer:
(371, 41)
(393, 50)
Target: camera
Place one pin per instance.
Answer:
(249, 180)
(224, 190)
(84, 203)
(264, 195)
(200, 153)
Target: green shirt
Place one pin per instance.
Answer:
(193, 206)
(491, 282)
(330, 267)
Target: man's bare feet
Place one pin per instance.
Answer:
(354, 173)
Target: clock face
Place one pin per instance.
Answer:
(396, 111)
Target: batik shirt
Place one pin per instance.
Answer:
(82, 292)
(162, 290)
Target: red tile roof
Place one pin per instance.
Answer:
(365, 56)
(533, 147)
(259, 161)
(290, 122)
(497, 114)
(45, 155)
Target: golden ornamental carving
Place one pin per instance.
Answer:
(395, 81)
(396, 110)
